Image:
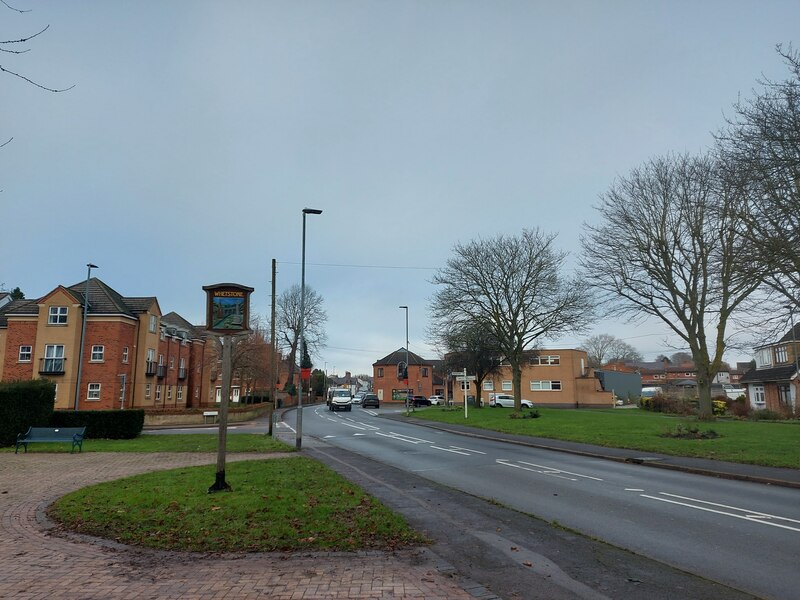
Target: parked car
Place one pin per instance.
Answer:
(507, 401)
(370, 400)
(341, 400)
(437, 400)
(421, 401)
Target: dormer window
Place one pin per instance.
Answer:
(57, 315)
(781, 355)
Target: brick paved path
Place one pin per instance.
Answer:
(36, 564)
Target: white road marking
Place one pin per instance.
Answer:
(554, 470)
(352, 425)
(505, 463)
(468, 450)
(746, 517)
(633, 490)
(403, 438)
(359, 434)
(327, 437)
(449, 450)
(286, 425)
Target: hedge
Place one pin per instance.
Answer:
(102, 424)
(24, 404)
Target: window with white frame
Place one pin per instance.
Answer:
(160, 360)
(171, 362)
(158, 393)
(147, 389)
(151, 355)
(763, 358)
(98, 352)
(546, 359)
(758, 394)
(153, 323)
(93, 392)
(163, 334)
(425, 371)
(488, 385)
(25, 353)
(54, 358)
(180, 393)
(507, 387)
(125, 354)
(548, 386)
(169, 392)
(781, 355)
(182, 364)
(57, 315)
(784, 394)
(380, 371)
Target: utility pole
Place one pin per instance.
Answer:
(272, 360)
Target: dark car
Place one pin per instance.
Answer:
(421, 401)
(370, 400)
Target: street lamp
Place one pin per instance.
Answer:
(299, 427)
(83, 334)
(406, 380)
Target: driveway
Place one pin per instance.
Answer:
(37, 560)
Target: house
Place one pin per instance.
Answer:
(132, 357)
(421, 380)
(773, 383)
(558, 378)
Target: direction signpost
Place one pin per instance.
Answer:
(464, 378)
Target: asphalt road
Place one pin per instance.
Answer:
(741, 534)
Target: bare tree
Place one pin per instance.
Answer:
(604, 348)
(511, 286)
(472, 347)
(760, 148)
(287, 323)
(667, 246)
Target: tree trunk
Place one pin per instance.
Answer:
(516, 381)
(705, 410)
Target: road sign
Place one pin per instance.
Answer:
(467, 378)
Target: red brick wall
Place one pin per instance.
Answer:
(20, 333)
(113, 336)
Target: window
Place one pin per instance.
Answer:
(25, 353)
(785, 394)
(180, 393)
(763, 358)
(380, 371)
(93, 392)
(163, 335)
(54, 358)
(425, 371)
(488, 385)
(160, 360)
(507, 386)
(158, 393)
(197, 392)
(171, 362)
(169, 392)
(97, 353)
(554, 386)
(147, 388)
(151, 355)
(182, 364)
(153, 323)
(781, 355)
(125, 354)
(758, 394)
(546, 359)
(57, 315)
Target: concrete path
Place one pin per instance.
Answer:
(36, 561)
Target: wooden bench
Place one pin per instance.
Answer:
(210, 413)
(74, 435)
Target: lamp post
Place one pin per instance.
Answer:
(299, 424)
(83, 334)
(406, 379)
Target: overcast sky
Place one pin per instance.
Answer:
(197, 131)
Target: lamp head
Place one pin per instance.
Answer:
(91, 266)
(312, 211)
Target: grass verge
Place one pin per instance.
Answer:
(286, 504)
(760, 443)
(200, 442)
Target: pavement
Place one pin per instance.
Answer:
(38, 560)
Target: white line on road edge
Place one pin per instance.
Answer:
(634, 490)
(722, 512)
(285, 424)
(403, 438)
(468, 450)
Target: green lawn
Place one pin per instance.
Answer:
(200, 442)
(762, 443)
(288, 504)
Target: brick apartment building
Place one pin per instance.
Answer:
(421, 377)
(132, 356)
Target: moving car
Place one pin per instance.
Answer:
(358, 397)
(507, 401)
(421, 401)
(370, 400)
(341, 400)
